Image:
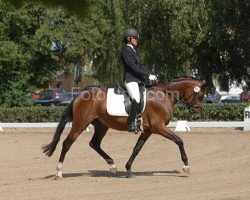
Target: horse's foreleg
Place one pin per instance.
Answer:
(184, 158)
(140, 142)
(95, 143)
(167, 133)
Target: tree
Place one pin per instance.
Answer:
(79, 7)
(170, 31)
(109, 67)
(13, 82)
(39, 41)
(40, 38)
(225, 50)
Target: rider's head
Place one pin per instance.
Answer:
(131, 36)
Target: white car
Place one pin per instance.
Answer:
(230, 99)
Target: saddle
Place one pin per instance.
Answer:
(119, 101)
(120, 89)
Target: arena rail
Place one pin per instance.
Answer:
(33, 125)
(208, 124)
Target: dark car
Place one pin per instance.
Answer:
(52, 94)
(67, 97)
(50, 97)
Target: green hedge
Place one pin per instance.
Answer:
(210, 112)
(31, 114)
(213, 112)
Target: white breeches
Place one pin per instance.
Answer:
(133, 90)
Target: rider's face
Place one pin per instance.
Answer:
(134, 41)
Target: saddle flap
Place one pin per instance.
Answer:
(115, 103)
(119, 104)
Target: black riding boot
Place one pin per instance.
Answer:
(131, 118)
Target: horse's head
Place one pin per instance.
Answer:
(192, 96)
(187, 90)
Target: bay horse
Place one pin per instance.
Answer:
(90, 108)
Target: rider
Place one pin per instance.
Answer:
(134, 73)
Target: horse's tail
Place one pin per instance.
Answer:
(66, 117)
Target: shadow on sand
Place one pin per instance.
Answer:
(119, 174)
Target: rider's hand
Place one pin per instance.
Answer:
(152, 77)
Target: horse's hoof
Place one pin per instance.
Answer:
(130, 175)
(113, 169)
(186, 169)
(58, 176)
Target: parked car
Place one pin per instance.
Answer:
(230, 99)
(67, 97)
(34, 96)
(52, 94)
(50, 97)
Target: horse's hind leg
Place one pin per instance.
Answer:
(167, 133)
(74, 133)
(77, 128)
(95, 143)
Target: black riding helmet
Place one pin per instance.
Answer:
(130, 32)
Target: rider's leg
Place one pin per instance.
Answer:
(133, 90)
(132, 116)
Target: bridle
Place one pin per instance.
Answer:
(194, 96)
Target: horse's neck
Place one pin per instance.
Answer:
(174, 87)
(174, 90)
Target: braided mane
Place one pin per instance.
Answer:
(176, 79)
(182, 78)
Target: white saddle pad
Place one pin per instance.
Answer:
(115, 103)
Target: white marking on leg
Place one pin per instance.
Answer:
(113, 168)
(186, 169)
(59, 171)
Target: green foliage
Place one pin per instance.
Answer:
(17, 95)
(74, 6)
(37, 42)
(39, 38)
(170, 32)
(226, 45)
(110, 68)
(228, 112)
(213, 112)
(31, 114)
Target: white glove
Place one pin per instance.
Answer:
(152, 77)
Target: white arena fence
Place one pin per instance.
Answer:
(204, 124)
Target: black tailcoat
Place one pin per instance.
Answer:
(134, 70)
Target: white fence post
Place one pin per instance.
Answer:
(246, 119)
(182, 126)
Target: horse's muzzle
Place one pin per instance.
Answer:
(195, 112)
(195, 115)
